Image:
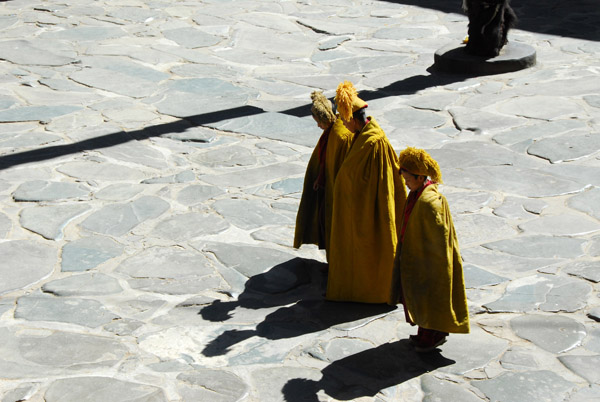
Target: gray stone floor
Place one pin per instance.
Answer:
(151, 163)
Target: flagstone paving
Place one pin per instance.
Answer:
(152, 156)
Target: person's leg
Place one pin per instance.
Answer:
(428, 339)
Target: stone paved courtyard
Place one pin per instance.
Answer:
(152, 156)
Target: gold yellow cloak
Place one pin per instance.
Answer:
(307, 219)
(431, 267)
(369, 194)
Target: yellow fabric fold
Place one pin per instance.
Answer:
(431, 267)
(369, 194)
(307, 219)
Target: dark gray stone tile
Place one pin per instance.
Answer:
(519, 208)
(198, 96)
(584, 366)
(565, 148)
(482, 121)
(88, 252)
(85, 33)
(36, 262)
(540, 385)
(198, 193)
(589, 270)
(119, 219)
(539, 246)
(40, 190)
(554, 333)
(541, 107)
(537, 131)
(519, 359)
(152, 270)
(43, 114)
(437, 389)
(83, 285)
(564, 224)
(209, 384)
(136, 152)
(478, 228)
(192, 38)
(119, 192)
(543, 292)
(472, 351)
(188, 226)
(476, 277)
(5, 226)
(234, 155)
(23, 52)
(96, 389)
(504, 263)
(585, 394)
(250, 260)
(437, 101)
(588, 202)
(415, 118)
(250, 214)
(123, 327)
(105, 171)
(86, 312)
(276, 126)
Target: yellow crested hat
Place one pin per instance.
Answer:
(419, 162)
(347, 100)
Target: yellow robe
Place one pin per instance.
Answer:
(307, 219)
(369, 194)
(431, 267)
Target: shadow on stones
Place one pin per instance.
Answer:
(366, 373)
(576, 18)
(405, 86)
(297, 284)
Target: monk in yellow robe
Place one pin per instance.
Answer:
(368, 196)
(428, 272)
(313, 221)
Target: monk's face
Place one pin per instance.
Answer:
(322, 126)
(412, 181)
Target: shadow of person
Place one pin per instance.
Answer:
(285, 283)
(366, 373)
(303, 317)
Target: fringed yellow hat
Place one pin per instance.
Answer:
(419, 162)
(321, 108)
(347, 100)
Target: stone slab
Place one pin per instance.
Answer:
(36, 262)
(101, 389)
(554, 333)
(88, 252)
(50, 221)
(118, 219)
(85, 312)
(540, 385)
(187, 227)
(40, 190)
(83, 285)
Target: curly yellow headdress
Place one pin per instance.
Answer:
(347, 100)
(321, 108)
(419, 162)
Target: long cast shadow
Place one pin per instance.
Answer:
(405, 86)
(298, 282)
(366, 373)
(575, 18)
